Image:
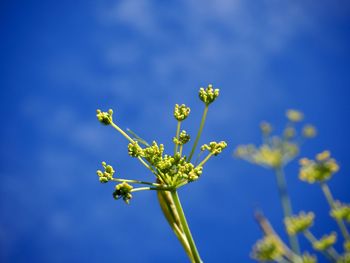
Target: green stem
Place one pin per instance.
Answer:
(186, 229)
(269, 231)
(134, 182)
(180, 151)
(177, 135)
(201, 126)
(330, 253)
(330, 200)
(286, 205)
(205, 160)
(152, 188)
(122, 132)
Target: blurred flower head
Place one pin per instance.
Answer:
(318, 170)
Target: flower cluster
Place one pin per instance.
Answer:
(268, 249)
(344, 258)
(105, 117)
(181, 112)
(276, 151)
(294, 115)
(107, 174)
(325, 242)
(341, 211)
(214, 147)
(318, 170)
(171, 170)
(307, 258)
(123, 190)
(184, 138)
(299, 223)
(208, 95)
(270, 155)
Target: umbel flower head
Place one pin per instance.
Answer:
(341, 211)
(268, 249)
(319, 170)
(307, 258)
(277, 150)
(184, 138)
(325, 242)
(123, 190)
(107, 174)
(208, 95)
(294, 115)
(344, 258)
(181, 112)
(105, 117)
(299, 223)
(172, 170)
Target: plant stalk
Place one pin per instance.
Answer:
(201, 126)
(328, 194)
(286, 205)
(195, 253)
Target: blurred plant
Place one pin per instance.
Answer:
(275, 153)
(170, 171)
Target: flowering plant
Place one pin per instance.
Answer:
(275, 153)
(170, 171)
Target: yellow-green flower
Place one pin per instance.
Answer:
(325, 242)
(208, 95)
(107, 174)
(184, 138)
(134, 149)
(123, 190)
(309, 131)
(289, 132)
(341, 211)
(266, 128)
(104, 117)
(318, 170)
(344, 258)
(347, 246)
(268, 249)
(299, 223)
(181, 112)
(214, 147)
(294, 115)
(307, 258)
(153, 154)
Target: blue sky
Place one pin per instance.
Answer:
(60, 60)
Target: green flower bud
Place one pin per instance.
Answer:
(325, 242)
(123, 190)
(153, 154)
(289, 133)
(105, 117)
(108, 173)
(135, 150)
(214, 147)
(299, 223)
(318, 170)
(183, 138)
(309, 131)
(344, 258)
(347, 246)
(294, 115)
(181, 112)
(268, 249)
(268, 156)
(341, 211)
(266, 128)
(208, 95)
(307, 258)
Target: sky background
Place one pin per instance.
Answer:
(61, 60)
